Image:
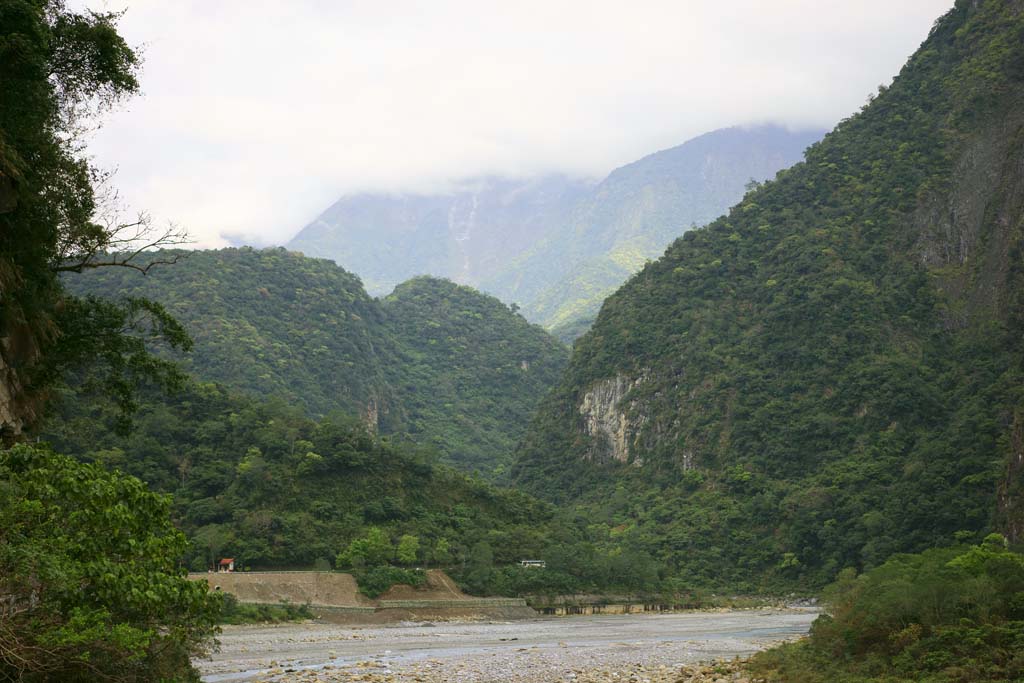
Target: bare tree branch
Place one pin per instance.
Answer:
(111, 241)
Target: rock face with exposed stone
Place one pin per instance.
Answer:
(610, 420)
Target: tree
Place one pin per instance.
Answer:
(89, 584)
(89, 579)
(373, 550)
(479, 566)
(59, 70)
(442, 551)
(408, 549)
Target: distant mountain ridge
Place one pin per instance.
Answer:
(554, 245)
(461, 234)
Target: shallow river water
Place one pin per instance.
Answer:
(640, 647)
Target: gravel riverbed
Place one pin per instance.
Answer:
(641, 648)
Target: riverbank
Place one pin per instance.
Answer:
(653, 647)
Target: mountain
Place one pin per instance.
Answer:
(273, 323)
(634, 213)
(831, 372)
(554, 245)
(462, 234)
(269, 323)
(458, 347)
(260, 482)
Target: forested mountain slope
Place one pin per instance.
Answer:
(265, 484)
(554, 245)
(451, 367)
(269, 323)
(832, 372)
(634, 213)
(272, 488)
(469, 372)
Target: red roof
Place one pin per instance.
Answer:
(227, 560)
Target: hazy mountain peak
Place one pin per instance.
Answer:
(554, 244)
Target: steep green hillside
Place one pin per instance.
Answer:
(263, 483)
(469, 372)
(833, 371)
(631, 215)
(270, 323)
(453, 368)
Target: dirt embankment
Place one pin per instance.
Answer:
(315, 588)
(332, 590)
(438, 586)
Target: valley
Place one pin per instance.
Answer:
(770, 365)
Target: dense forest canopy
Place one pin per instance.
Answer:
(830, 373)
(451, 367)
(947, 614)
(265, 484)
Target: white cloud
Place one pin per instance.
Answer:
(257, 115)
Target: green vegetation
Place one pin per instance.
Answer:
(269, 323)
(275, 489)
(90, 586)
(58, 70)
(89, 577)
(950, 614)
(235, 612)
(569, 331)
(449, 367)
(824, 379)
(832, 372)
(266, 485)
(469, 373)
(556, 245)
(374, 581)
(630, 216)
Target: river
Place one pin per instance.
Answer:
(640, 647)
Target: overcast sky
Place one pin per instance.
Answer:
(255, 116)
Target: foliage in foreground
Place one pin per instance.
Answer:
(60, 69)
(947, 614)
(89, 583)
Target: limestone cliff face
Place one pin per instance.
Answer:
(9, 419)
(1010, 496)
(612, 422)
(377, 414)
(968, 232)
(17, 411)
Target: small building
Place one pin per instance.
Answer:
(226, 565)
(533, 564)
